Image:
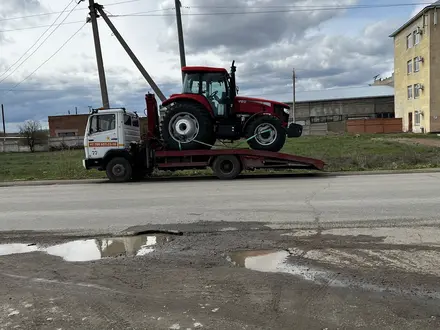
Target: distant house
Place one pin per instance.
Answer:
(417, 71)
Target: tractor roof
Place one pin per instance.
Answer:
(203, 69)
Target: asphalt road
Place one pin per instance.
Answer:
(293, 202)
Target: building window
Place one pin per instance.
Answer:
(417, 37)
(416, 64)
(409, 41)
(416, 91)
(410, 89)
(417, 115)
(62, 134)
(409, 67)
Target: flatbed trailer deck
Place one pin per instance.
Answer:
(220, 160)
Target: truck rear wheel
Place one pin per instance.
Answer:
(266, 133)
(226, 167)
(119, 169)
(188, 126)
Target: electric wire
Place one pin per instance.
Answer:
(47, 60)
(41, 44)
(39, 38)
(247, 12)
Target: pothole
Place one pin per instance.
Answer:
(91, 249)
(296, 262)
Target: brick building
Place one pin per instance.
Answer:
(67, 125)
(75, 125)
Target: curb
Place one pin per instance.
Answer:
(50, 182)
(317, 174)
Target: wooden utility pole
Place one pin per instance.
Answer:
(98, 51)
(180, 34)
(292, 109)
(4, 123)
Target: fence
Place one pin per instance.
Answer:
(374, 126)
(53, 143)
(66, 142)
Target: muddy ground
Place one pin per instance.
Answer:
(222, 276)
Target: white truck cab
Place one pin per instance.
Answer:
(109, 131)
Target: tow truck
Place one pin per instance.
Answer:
(113, 141)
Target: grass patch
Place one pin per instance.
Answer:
(341, 153)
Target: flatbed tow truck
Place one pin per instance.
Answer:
(111, 145)
(113, 141)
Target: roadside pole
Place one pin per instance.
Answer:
(180, 35)
(4, 125)
(98, 51)
(292, 109)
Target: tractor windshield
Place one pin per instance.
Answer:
(214, 86)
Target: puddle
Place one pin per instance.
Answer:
(271, 261)
(90, 249)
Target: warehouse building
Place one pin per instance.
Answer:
(323, 111)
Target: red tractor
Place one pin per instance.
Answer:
(208, 109)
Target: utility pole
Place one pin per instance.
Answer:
(292, 110)
(101, 72)
(180, 34)
(4, 123)
(76, 110)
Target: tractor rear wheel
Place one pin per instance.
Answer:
(188, 126)
(266, 133)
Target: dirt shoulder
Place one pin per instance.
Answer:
(233, 276)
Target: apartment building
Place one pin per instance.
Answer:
(417, 71)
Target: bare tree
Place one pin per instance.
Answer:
(33, 133)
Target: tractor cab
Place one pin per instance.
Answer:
(215, 84)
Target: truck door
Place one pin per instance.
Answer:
(102, 135)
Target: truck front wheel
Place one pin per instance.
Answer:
(119, 169)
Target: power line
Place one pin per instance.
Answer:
(298, 9)
(41, 36)
(58, 12)
(312, 6)
(42, 43)
(47, 60)
(82, 21)
(305, 7)
(247, 12)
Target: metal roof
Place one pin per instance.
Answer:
(414, 18)
(344, 93)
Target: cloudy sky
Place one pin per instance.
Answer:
(331, 43)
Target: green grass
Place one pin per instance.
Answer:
(341, 153)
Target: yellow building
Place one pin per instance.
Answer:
(417, 71)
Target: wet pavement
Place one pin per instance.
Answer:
(223, 276)
(90, 249)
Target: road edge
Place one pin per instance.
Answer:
(156, 179)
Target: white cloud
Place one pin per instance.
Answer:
(266, 46)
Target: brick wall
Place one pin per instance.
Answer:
(69, 123)
(374, 126)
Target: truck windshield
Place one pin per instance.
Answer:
(101, 123)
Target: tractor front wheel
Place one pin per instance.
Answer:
(188, 126)
(266, 133)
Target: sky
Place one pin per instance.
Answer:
(49, 69)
